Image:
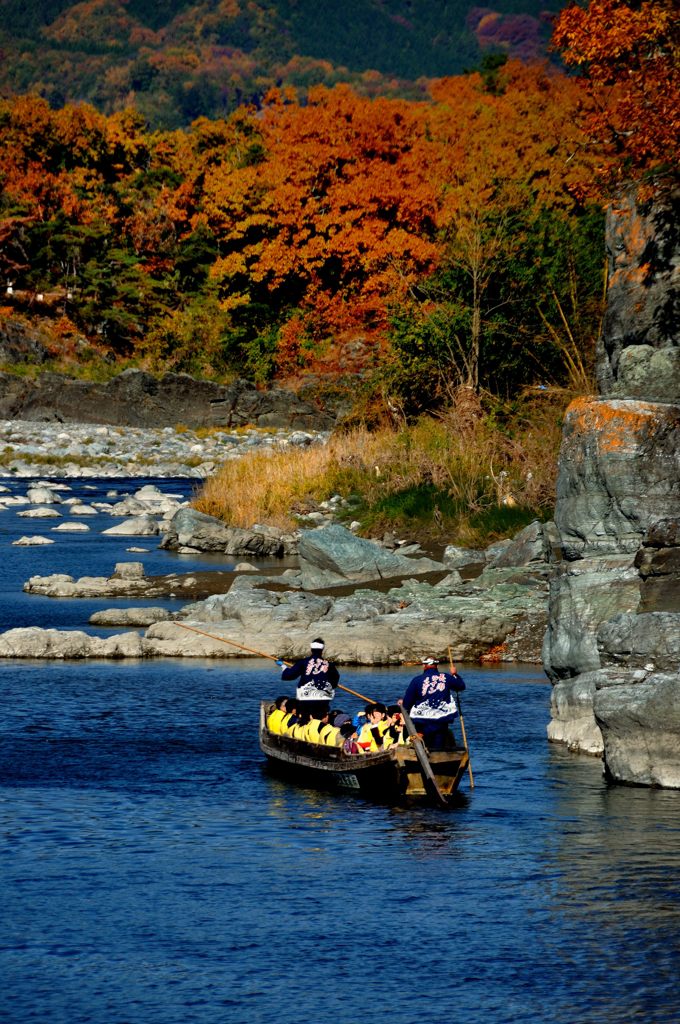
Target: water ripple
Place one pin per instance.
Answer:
(153, 872)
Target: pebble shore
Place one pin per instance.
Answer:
(78, 450)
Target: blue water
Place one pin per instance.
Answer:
(88, 553)
(153, 872)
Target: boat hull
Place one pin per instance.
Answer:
(391, 776)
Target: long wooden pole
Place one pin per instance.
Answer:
(262, 654)
(462, 727)
(431, 784)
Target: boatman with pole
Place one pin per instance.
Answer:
(317, 677)
(430, 700)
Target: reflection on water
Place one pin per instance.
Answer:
(154, 872)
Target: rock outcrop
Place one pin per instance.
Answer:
(128, 580)
(612, 647)
(498, 616)
(638, 353)
(332, 556)
(200, 532)
(138, 399)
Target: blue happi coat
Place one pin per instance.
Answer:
(431, 695)
(318, 678)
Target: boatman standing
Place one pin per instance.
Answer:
(431, 703)
(317, 677)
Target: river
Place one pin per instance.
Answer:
(153, 872)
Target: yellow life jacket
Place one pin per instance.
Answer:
(275, 721)
(329, 735)
(313, 730)
(366, 738)
(390, 741)
(285, 723)
(298, 732)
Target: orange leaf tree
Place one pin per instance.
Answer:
(337, 218)
(509, 168)
(630, 56)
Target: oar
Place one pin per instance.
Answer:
(462, 727)
(263, 654)
(431, 784)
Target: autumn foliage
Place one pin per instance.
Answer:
(336, 235)
(630, 56)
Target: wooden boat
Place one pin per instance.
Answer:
(397, 775)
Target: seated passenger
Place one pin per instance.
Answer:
(290, 717)
(276, 715)
(395, 732)
(314, 728)
(349, 739)
(330, 733)
(299, 728)
(372, 733)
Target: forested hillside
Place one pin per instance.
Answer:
(430, 243)
(177, 60)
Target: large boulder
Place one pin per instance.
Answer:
(572, 718)
(658, 562)
(619, 474)
(332, 556)
(583, 595)
(649, 640)
(135, 526)
(500, 619)
(532, 545)
(639, 716)
(193, 529)
(33, 642)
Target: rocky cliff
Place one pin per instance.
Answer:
(612, 647)
(139, 399)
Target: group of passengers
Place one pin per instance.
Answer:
(429, 699)
(376, 728)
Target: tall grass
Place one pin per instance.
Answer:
(455, 478)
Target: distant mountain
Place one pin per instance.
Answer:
(176, 60)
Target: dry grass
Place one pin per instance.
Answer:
(437, 477)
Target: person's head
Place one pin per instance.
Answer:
(333, 715)
(394, 713)
(430, 663)
(281, 702)
(304, 717)
(347, 730)
(291, 705)
(317, 647)
(375, 712)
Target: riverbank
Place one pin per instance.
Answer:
(373, 604)
(29, 448)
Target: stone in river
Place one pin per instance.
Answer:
(40, 513)
(136, 526)
(32, 541)
(42, 496)
(129, 570)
